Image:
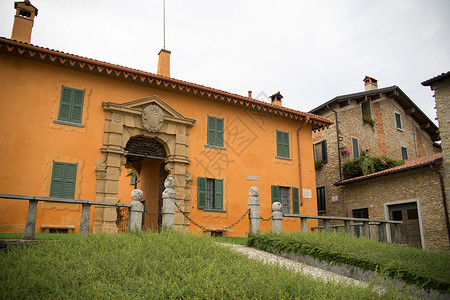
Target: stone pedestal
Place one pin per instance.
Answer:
(136, 210)
(254, 206)
(277, 217)
(168, 209)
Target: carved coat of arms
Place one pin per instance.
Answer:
(152, 117)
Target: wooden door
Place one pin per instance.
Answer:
(410, 229)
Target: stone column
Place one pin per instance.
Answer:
(85, 217)
(277, 217)
(254, 206)
(168, 209)
(30, 224)
(136, 210)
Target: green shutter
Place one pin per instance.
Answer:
(65, 104)
(63, 180)
(219, 132)
(77, 105)
(71, 105)
(57, 185)
(398, 121)
(286, 144)
(295, 202)
(324, 152)
(355, 148)
(275, 193)
(211, 135)
(279, 143)
(70, 176)
(218, 197)
(201, 187)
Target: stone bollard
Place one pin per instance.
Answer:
(30, 224)
(136, 210)
(277, 217)
(254, 215)
(168, 209)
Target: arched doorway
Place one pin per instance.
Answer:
(151, 125)
(147, 157)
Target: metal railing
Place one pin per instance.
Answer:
(30, 224)
(382, 226)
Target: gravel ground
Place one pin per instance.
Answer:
(316, 273)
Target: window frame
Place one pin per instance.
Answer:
(215, 131)
(323, 145)
(294, 198)
(282, 144)
(203, 202)
(398, 121)
(67, 180)
(356, 153)
(73, 117)
(324, 201)
(404, 151)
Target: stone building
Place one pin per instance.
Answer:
(73, 127)
(441, 87)
(377, 122)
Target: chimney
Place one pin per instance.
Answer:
(276, 98)
(23, 21)
(370, 83)
(164, 63)
(250, 94)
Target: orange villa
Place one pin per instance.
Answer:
(74, 127)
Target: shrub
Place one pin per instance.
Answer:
(369, 120)
(367, 165)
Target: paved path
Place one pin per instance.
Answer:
(316, 273)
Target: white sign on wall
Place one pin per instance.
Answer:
(307, 193)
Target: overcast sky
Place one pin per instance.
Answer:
(310, 51)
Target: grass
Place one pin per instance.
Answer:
(165, 265)
(231, 240)
(426, 269)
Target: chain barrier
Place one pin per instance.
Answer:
(265, 220)
(209, 229)
(149, 213)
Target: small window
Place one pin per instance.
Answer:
(398, 121)
(25, 13)
(404, 153)
(320, 151)
(282, 194)
(321, 201)
(63, 180)
(71, 105)
(283, 144)
(210, 193)
(365, 107)
(132, 180)
(215, 131)
(355, 148)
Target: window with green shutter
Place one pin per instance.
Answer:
(398, 121)
(283, 144)
(64, 177)
(210, 193)
(355, 148)
(215, 131)
(320, 151)
(282, 194)
(71, 105)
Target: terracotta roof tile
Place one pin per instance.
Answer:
(408, 165)
(436, 78)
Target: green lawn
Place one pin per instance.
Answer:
(165, 265)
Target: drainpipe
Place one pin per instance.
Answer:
(444, 199)
(338, 143)
(300, 162)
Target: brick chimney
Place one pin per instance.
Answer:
(23, 21)
(276, 98)
(164, 63)
(370, 83)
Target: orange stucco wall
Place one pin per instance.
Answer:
(31, 141)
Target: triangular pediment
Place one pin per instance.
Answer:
(138, 106)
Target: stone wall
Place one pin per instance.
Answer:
(422, 184)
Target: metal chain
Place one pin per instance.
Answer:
(209, 229)
(266, 220)
(149, 213)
